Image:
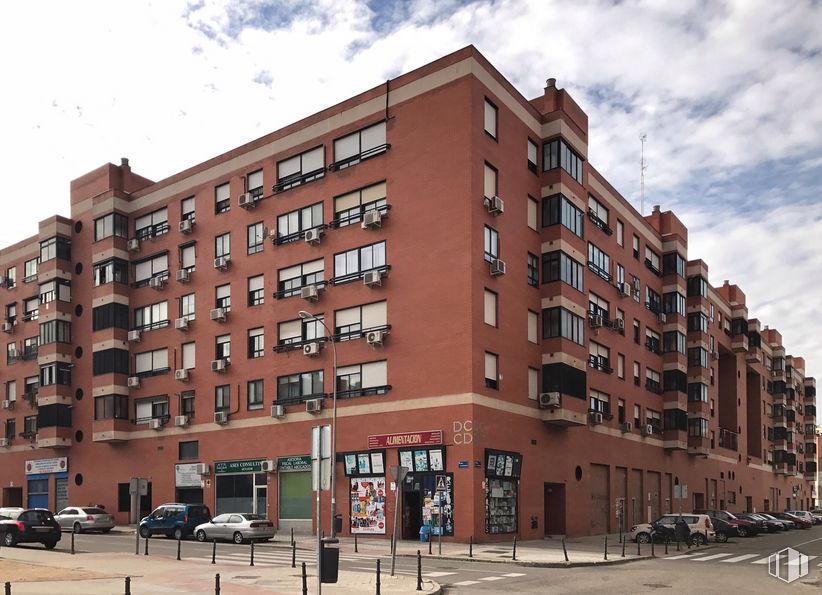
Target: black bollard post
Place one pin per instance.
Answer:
(145, 553)
(8, 588)
(252, 553)
(606, 547)
(623, 547)
(666, 546)
(213, 551)
(179, 541)
(378, 576)
(564, 551)
(292, 535)
(305, 581)
(356, 550)
(677, 544)
(136, 543)
(419, 571)
(72, 542)
(653, 554)
(128, 586)
(471, 546)
(638, 550)
(293, 555)
(430, 541)
(514, 556)
(217, 584)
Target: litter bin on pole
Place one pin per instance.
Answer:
(425, 530)
(329, 561)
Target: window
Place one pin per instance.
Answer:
(56, 373)
(256, 290)
(11, 277)
(349, 207)
(254, 183)
(363, 144)
(152, 408)
(56, 247)
(698, 322)
(11, 429)
(697, 392)
(363, 379)
(31, 308)
(559, 322)
(697, 357)
(532, 155)
(111, 315)
(652, 261)
(636, 246)
(222, 347)
(673, 303)
(113, 224)
(151, 363)
(652, 342)
(29, 426)
(151, 317)
(188, 450)
(223, 297)
(533, 270)
(599, 402)
(295, 332)
(675, 420)
(636, 288)
(298, 387)
(187, 306)
(697, 287)
(673, 342)
(636, 374)
(222, 198)
(598, 307)
(599, 262)
(114, 270)
(353, 323)
(637, 416)
(30, 270)
(636, 331)
(187, 209)
(155, 266)
(256, 343)
(292, 226)
(653, 301)
(222, 246)
(558, 266)
(350, 265)
(558, 210)
(490, 308)
(599, 357)
(189, 355)
(490, 120)
(533, 325)
(255, 238)
(32, 385)
(673, 264)
(111, 407)
(30, 347)
(489, 184)
(56, 289)
(620, 233)
(491, 366)
(557, 153)
(151, 225)
(620, 274)
(11, 390)
(255, 395)
(491, 245)
(621, 366)
(697, 428)
(533, 383)
(300, 169)
(621, 411)
(55, 331)
(188, 257)
(290, 280)
(598, 213)
(533, 210)
(222, 397)
(653, 381)
(187, 402)
(654, 419)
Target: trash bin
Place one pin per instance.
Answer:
(337, 523)
(425, 531)
(329, 563)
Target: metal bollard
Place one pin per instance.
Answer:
(179, 541)
(72, 542)
(623, 547)
(430, 540)
(653, 554)
(378, 576)
(305, 581)
(564, 551)
(252, 553)
(8, 588)
(677, 544)
(666, 546)
(471, 546)
(137, 543)
(419, 571)
(145, 553)
(217, 584)
(128, 586)
(606, 547)
(292, 535)
(293, 555)
(514, 556)
(213, 551)
(638, 550)
(355, 544)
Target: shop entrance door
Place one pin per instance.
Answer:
(554, 509)
(411, 514)
(261, 499)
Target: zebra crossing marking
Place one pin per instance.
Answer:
(741, 558)
(712, 557)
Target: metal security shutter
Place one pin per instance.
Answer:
(655, 490)
(600, 500)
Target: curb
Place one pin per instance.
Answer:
(535, 563)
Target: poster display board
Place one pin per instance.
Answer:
(368, 505)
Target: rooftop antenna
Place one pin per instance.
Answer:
(643, 165)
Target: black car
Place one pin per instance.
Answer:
(744, 528)
(724, 529)
(771, 526)
(29, 525)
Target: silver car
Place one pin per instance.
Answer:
(239, 527)
(86, 518)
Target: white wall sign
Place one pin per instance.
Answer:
(186, 476)
(55, 465)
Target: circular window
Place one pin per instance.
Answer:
(78, 394)
(78, 479)
(578, 472)
(78, 227)
(78, 310)
(78, 268)
(78, 353)
(78, 435)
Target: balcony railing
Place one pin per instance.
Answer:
(728, 439)
(599, 222)
(650, 266)
(600, 363)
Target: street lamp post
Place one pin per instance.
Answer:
(308, 316)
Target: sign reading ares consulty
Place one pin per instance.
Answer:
(425, 438)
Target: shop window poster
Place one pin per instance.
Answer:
(350, 464)
(420, 460)
(368, 505)
(500, 471)
(364, 465)
(436, 460)
(407, 459)
(377, 465)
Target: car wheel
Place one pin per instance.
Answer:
(643, 538)
(178, 533)
(742, 531)
(77, 528)
(722, 537)
(9, 540)
(698, 539)
(106, 531)
(50, 545)
(201, 535)
(238, 537)
(145, 532)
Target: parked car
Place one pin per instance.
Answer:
(769, 525)
(28, 525)
(700, 525)
(785, 525)
(804, 515)
(797, 522)
(238, 527)
(745, 528)
(81, 519)
(724, 530)
(174, 520)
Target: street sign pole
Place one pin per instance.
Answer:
(398, 475)
(320, 454)
(440, 491)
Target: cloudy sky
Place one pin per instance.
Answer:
(727, 92)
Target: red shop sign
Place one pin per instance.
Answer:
(426, 438)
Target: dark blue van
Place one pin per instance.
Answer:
(174, 520)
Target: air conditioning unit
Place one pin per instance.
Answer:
(218, 365)
(277, 410)
(135, 335)
(372, 278)
(4, 442)
(626, 427)
(8, 404)
(662, 318)
(495, 205)
(647, 430)
(181, 421)
(596, 417)
(310, 292)
(183, 275)
(375, 337)
(623, 288)
(218, 314)
(221, 263)
(312, 349)
(8, 327)
(221, 417)
(595, 320)
(181, 324)
(202, 469)
(155, 423)
(314, 405)
(134, 382)
(497, 267)
(619, 324)
(714, 355)
(157, 282)
(371, 219)
(186, 226)
(268, 466)
(547, 400)
(133, 245)
(247, 201)
(181, 374)
(313, 236)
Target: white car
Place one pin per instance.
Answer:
(239, 527)
(700, 525)
(804, 515)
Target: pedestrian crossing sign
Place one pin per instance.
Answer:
(441, 483)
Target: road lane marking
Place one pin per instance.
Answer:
(762, 561)
(806, 543)
(713, 557)
(514, 574)
(491, 578)
(465, 583)
(740, 558)
(680, 557)
(438, 573)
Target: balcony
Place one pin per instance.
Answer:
(728, 439)
(570, 412)
(600, 362)
(699, 445)
(754, 355)
(701, 409)
(653, 386)
(54, 437)
(782, 469)
(739, 343)
(675, 439)
(111, 430)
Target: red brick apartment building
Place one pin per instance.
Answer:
(502, 317)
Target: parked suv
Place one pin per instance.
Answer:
(174, 520)
(744, 528)
(28, 525)
(700, 525)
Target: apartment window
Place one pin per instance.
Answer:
(56, 247)
(11, 353)
(490, 308)
(32, 385)
(353, 323)
(295, 332)
(151, 363)
(256, 342)
(187, 209)
(533, 383)
(598, 213)
(620, 227)
(557, 153)
(56, 289)
(189, 355)
(621, 366)
(558, 266)
(298, 387)
(290, 280)
(56, 373)
(490, 121)
(359, 146)
(652, 342)
(533, 210)
(113, 270)
(187, 306)
(491, 244)
(111, 407)
(111, 315)
(599, 402)
(598, 307)
(697, 392)
(697, 428)
(653, 301)
(675, 420)
(490, 181)
(363, 379)
(673, 264)
(222, 198)
(151, 317)
(636, 246)
(533, 270)
(11, 277)
(223, 297)
(30, 347)
(697, 287)
(698, 322)
(10, 429)
(621, 411)
(637, 380)
(636, 331)
(697, 357)
(152, 408)
(599, 262)
(636, 288)
(254, 394)
(222, 397)
(533, 325)
(155, 266)
(113, 224)
(222, 347)
(350, 265)
(559, 322)
(188, 450)
(673, 342)
(254, 183)
(653, 381)
(652, 261)
(491, 367)
(187, 402)
(55, 331)
(256, 290)
(300, 169)
(255, 238)
(673, 303)
(599, 357)
(29, 426)
(350, 207)
(151, 225)
(532, 155)
(222, 246)
(30, 270)
(31, 308)
(637, 416)
(187, 255)
(11, 313)
(654, 419)
(558, 210)
(11, 390)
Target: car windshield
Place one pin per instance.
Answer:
(36, 516)
(94, 511)
(254, 517)
(730, 515)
